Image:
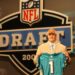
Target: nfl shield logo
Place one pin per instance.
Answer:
(30, 11)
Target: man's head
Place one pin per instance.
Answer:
(51, 35)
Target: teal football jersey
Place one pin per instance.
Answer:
(52, 64)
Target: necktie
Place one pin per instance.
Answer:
(52, 49)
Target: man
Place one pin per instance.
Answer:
(47, 47)
(52, 46)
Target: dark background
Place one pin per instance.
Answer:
(64, 6)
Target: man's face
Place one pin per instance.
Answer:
(51, 37)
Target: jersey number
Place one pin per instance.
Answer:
(51, 66)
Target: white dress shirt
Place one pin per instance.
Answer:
(52, 46)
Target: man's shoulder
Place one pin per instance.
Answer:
(43, 44)
(61, 45)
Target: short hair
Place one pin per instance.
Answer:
(53, 31)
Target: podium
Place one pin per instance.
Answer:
(52, 64)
